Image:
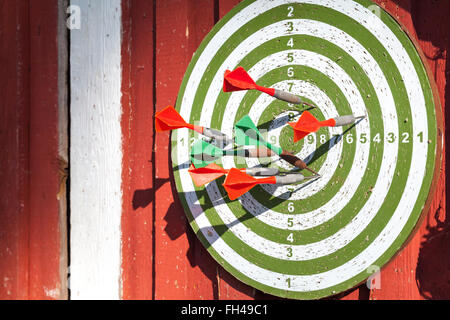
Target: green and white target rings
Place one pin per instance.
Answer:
(322, 237)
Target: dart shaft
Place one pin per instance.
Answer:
(288, 97)
(268, 180)
(216, 135)
(346, 120)
(260, 152)
(295, 161)
(249, 153)
(328, 123)
(275, 149)
(309, 104)
(290, 179)
(199, 129)
(281, 95)
(262, 171)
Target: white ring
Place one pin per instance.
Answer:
(360, 263)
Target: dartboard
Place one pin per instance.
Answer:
(321, 237)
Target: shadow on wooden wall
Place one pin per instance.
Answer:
(430, 19)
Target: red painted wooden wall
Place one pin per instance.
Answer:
(162, 257)
(32, 232)
(170, 262)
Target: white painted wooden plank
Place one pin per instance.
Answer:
(95, 151)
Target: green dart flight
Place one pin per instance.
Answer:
(204, 153)
(246, 133)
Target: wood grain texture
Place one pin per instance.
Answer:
(138, 137)
(157, 256)
(31, 244)
(180, 26)
(14, 134)
(96, 151)
(421, 270)
(225, 6)
(44, 164)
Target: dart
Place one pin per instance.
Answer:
(204, 153)
(307, 124)
(212, 171)
(246, 133)
(169, 119)
(239, 79)
(237, 182)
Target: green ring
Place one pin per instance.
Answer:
(342, 286)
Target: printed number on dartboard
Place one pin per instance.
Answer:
(405, 137)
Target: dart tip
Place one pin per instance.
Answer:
(309, 104)
(314, 176)
(312, 171)
(361, 117)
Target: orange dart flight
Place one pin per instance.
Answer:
(169, 119)
(307, 124)
(239, 79)
(237, 183)
(204, 175)
(212, 171)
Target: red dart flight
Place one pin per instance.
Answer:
(170, 119)
(239, 79)
(204, 175)
(237, 183)
(212, 171)
(308, 124)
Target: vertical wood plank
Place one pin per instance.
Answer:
(63, 143)
(14, 132)
(231, 288)
(44, 167)
(183, 268)
(409, 275)
(433, 264)
(138, 165)
(96, 151)
(32, 263)
(225, 6)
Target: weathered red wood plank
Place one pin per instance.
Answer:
(183, 268)
(231, 288)
(31, 263)
(44, 173)
(226, 5)
(421, 270)
(138, 165)
(433, 266)
(14, 119)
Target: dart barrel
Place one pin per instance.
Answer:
(288, 97)
(319, 237)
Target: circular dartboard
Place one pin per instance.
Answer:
(321, 237)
